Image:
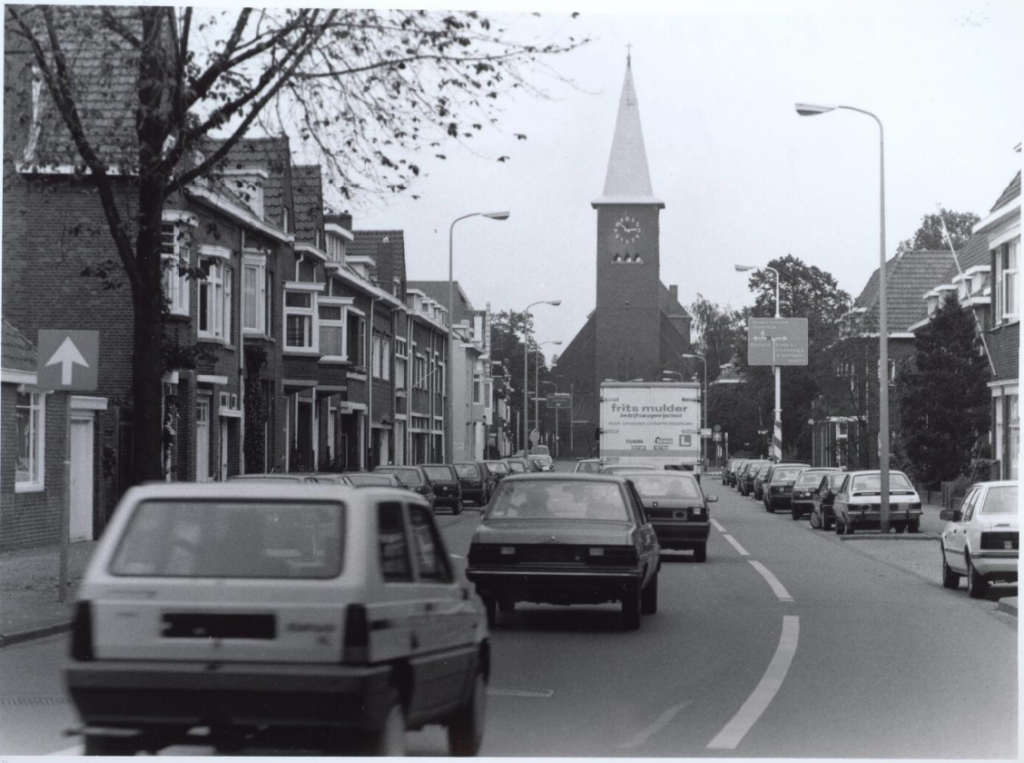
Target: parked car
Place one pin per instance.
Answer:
(822, 516)
(768, 475)
(372, 479)
(414, 478)
(475, 480)
(778, 488)
(293, 478)
(544, 453)
(566, 539)
(858, 503)
(263, 619)
(497, 469)
(623, 468)
(760, 472)
(678, 509)
(446, 484)
(541, 463)
(734, 470)
(726, 469)
(981, 540)
(746, 484)
(588, 466)
(805, 487)
(518, 465)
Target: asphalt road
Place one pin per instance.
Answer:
(787, 642)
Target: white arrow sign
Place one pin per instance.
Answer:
(67, 355)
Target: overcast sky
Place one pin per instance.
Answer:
(743, 177)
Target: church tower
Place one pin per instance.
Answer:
(627, 331)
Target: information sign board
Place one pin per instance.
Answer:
(777, 341)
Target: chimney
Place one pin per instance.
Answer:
(673, 292)
(345, 220)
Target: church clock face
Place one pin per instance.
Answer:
(627, 229)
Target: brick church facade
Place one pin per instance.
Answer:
(638, 328)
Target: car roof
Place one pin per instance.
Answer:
(233, 491)
(565, 477)
(996, 483)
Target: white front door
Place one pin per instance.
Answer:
(203, 439)
(81, 478)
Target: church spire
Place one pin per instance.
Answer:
(628, 179)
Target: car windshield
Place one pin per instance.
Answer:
(232, 539)
(370, 480)
(517, 466)
(467, 471)
(576, 499)
(658, 486)
(439, 473)
(588, 467)
(408, 477)
(495, 467)
(809, 478)
(785, 475)
(1001, 500)
(863, 483)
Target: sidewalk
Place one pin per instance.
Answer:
(29, 588)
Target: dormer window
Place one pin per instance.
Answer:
(247, 184)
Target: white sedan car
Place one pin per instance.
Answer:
(981, 540)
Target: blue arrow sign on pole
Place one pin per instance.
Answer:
(68, 360)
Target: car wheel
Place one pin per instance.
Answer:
(631, 609)
(466, 730)
(849, 528)
(389, 740)
(491, 607)
(840, 530)
(700, 554)
(457, 508)
(815, 520)
(976, 583)
(796, 514)
(103, 745)
(949, 578)
(768, 506)
(649, 597)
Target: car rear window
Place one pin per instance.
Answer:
(559, 500)
(873, 482)
(408, 477)
(810, 478)
(232, 539)
(494, 468)
(785, 475)
(467, 471)
(370, 480)
(435, 473)
(762, 471)
(589, 467)
(517, 466)
(1001, 500)
(657, 486)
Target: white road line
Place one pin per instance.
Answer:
(777, 587)
(730, 736)
(735, 544)
(663, 720)
(717, 526)
(76, 750)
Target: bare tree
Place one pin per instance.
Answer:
(140, 93)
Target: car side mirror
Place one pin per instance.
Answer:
(946, 515)
(712, 498)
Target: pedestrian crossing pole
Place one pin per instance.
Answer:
(777, 434)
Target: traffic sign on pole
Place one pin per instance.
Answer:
(777, 341)
(558, 400)
(68, 360)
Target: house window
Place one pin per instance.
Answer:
(335, 248)
(400, 372)
(332, 328)
(478, 384)
(385, 359)
(254, 294)
(31, 435)
(420, 372)
(377, 365)
(1014, 440)
(174, 256)
(1008, 280)
(300, 320)
(215, 300)
(356, 330)
(250, 190)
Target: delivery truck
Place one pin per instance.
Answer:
(650, 423)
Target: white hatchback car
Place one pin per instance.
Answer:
(981, 541)
(275, 615)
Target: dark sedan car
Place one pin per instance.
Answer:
(446, 484)
(476, 481)
(778, 486)
(822, 515)
(412, 477)
(746, 482)
(677, 508)
(806, 487)
(566, 539)
(760, 473)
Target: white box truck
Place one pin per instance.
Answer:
(651, 423)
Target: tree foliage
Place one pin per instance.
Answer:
(945, 400)
(718, 330)
(929, 236)
(154, 98)
(507, 329)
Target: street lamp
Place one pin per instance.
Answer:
(705, 406)
(448, 444)
(810, 110)
(526, 366)
(776, 449)
(536, 379)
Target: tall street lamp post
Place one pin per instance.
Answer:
(777, 434)
(526, 368)
(536, 379)
(449, 445)
(811, 110)
(704, 449)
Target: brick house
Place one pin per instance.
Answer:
(427, 348)
(844, 425)
(1002, 229)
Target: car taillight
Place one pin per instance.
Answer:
(916, 505)
(357, 634)
(81, 632)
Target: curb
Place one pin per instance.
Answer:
(34, 633)
(1008, 605)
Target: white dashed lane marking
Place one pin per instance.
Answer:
(777, 587)
(735, 544)
(663, 720)
(730, 736)
(717, 526)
